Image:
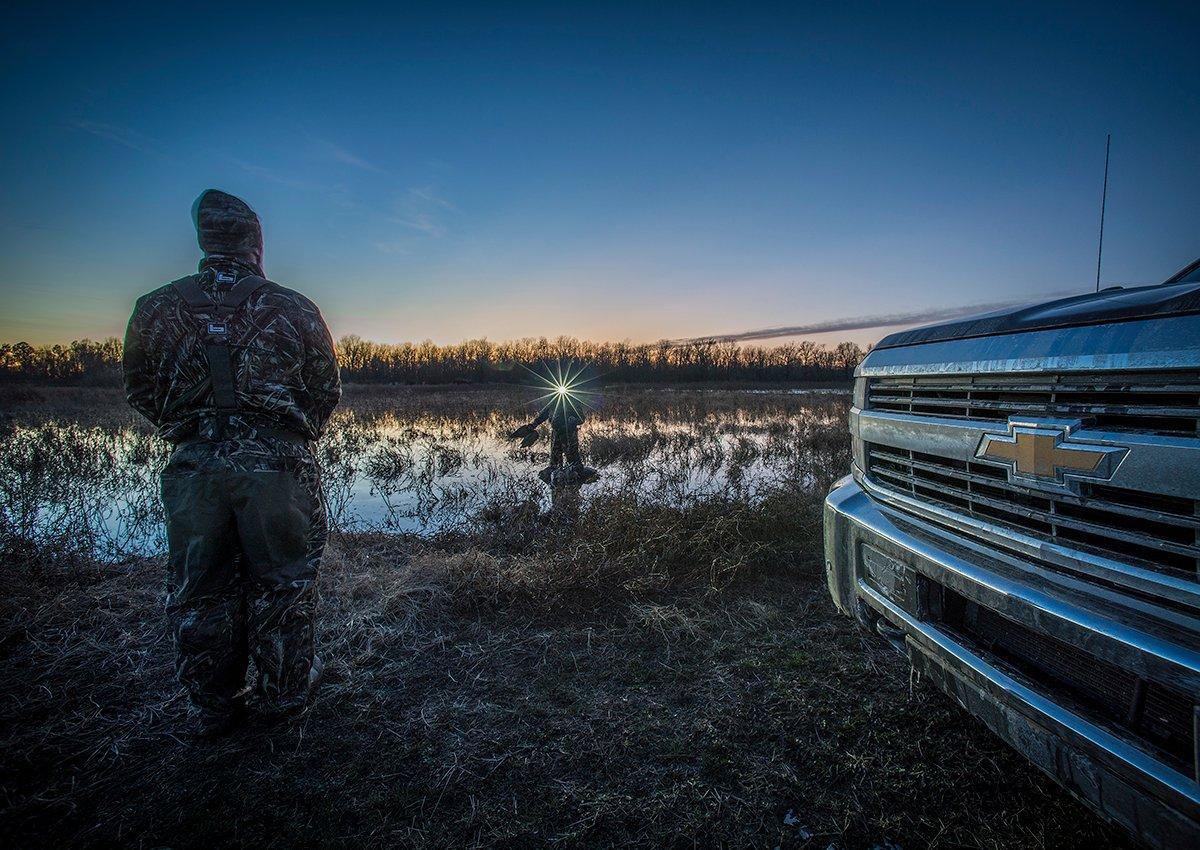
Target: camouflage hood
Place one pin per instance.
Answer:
(228, 230)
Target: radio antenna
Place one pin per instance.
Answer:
(1103, 203)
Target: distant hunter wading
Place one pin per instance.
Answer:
(239, 374)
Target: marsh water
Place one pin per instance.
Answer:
(79, 471)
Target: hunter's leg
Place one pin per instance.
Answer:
(557, 447)
(204, 599)
(282, 525)
(572, 446)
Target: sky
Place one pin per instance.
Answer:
(609, 171)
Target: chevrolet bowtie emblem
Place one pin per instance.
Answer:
(1042, 452)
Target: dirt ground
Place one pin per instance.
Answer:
(455, 715)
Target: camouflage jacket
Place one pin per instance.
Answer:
(285, 371)
(563, 414)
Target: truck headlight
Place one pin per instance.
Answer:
(856, 443)
(860, 393)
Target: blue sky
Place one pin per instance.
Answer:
(614, 172)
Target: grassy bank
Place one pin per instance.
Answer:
(473, 700)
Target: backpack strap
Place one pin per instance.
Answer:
(188, 288)
(241, 291)
(226, 301)
(217, 350)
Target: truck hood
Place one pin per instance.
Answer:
(1106, 306)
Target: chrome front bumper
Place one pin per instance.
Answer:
(879, 562)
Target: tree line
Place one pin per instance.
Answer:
(87, 362)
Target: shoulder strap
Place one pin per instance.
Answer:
(194, 296)
(242, 290)
(189, 290)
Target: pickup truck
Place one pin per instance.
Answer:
(1022, 519)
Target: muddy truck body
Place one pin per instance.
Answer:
(1022, 519)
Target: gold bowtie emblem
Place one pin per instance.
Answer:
(1045, 451)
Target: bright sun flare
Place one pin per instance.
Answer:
(564, 386)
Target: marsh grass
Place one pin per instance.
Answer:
(78, 475)
(663, 670)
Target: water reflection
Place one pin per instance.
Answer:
(426, 463)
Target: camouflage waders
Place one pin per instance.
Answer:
(246, 527)
(564, 441)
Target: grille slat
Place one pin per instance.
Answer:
(1166, 383)
(1008, 407)
(1000, 484)
(1155, 532)
(1048, 517)
(1158, 403)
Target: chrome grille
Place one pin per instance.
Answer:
(1148, 402)
(1160, 533)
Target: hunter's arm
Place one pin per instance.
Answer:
(321, 376)
(136, 369)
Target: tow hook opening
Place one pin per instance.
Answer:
(873, 621)
(892, 634)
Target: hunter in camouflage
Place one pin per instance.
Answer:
(239, 374)
(565, 415)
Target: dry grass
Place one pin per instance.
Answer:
(463, 709)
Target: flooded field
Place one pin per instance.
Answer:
(79, 471)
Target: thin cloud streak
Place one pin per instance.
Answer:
(422, 222)
(427, 194)
(421, 209)
(866, 322)
(346, 157)
(125, 136)
(393, 247)
(264, 173)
